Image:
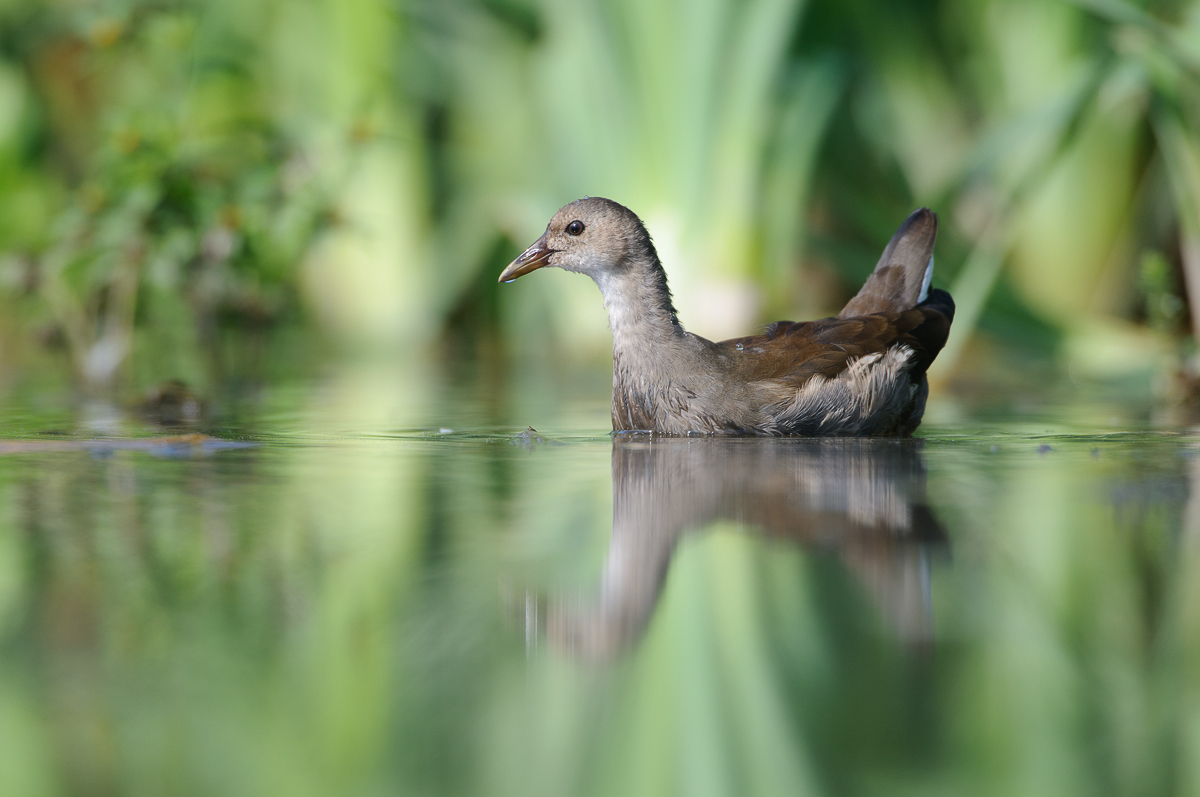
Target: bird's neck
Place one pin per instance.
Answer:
(652, 354)
(640, 311)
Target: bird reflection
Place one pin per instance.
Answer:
(861, 498)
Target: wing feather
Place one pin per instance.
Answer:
(791, 353)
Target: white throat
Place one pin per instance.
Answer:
(636, 313)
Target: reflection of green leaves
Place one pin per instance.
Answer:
(366, 616)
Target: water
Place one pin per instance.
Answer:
(373, 587)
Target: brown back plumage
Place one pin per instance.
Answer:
(795, 352)
(895, 325)
(900, 274)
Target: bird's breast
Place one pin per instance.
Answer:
(658, 406)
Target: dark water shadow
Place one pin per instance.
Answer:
(862, 499)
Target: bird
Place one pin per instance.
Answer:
(861, 373)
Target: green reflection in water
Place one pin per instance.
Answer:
(362, 603)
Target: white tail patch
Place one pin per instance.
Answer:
(925, 282)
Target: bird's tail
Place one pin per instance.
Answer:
(901, 277)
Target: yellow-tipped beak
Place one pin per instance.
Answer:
(531, 259)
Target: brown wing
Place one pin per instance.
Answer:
(794, 352)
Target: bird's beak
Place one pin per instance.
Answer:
(531, 259)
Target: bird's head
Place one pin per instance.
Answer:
(592, 236)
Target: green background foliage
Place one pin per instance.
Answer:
(170, 171)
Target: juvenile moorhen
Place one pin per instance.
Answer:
(860, 373)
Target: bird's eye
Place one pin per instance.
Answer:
(575, 227)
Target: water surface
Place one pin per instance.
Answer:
(360, 587)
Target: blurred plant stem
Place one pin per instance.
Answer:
(971, 289)
(1051, 130)
(698, 121)
(99, 340)
(1181, 151)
